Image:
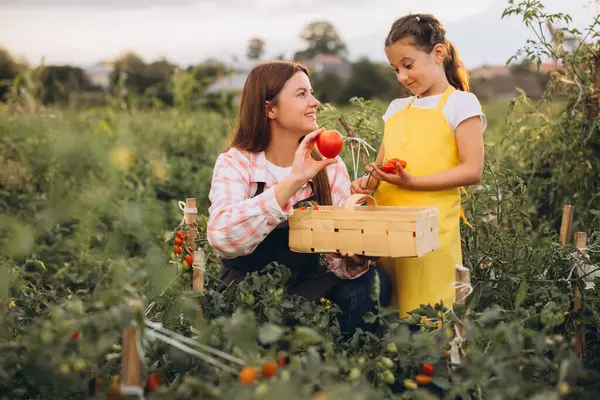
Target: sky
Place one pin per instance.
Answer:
(83, 32)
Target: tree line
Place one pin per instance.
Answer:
(162, 81)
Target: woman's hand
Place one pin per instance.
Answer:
(364, 185)
(348, 265)
(304, 167)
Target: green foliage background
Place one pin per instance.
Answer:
(89, 205)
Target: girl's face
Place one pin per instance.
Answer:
(295, 109)
(418, 71)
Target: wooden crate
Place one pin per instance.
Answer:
(369, 230)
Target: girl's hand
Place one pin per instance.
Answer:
(360, 185)
(304, 167)
(401, 178)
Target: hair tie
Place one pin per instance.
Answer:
(418, 19)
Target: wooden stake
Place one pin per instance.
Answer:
(131, 368)
(567, 221)
(198, 272)
(190, 220)
(581, 244)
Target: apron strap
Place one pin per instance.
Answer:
(445, 96)
(410, 102)
(260, 187)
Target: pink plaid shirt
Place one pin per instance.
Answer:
(238, 222)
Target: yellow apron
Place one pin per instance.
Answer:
(426, 141)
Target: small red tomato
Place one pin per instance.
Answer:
(178, 241)
(395, 161)
(153, 382)
(388, 168)
(189, 259)
(75, 335)
(177, 249)
(248, 375)
(423, 380)
(282, 361)
(269, 369)
(330, 143)
(428, 369)
(181, 234)
(316, 208)
(302, 208)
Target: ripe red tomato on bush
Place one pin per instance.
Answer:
(330, 143)
(177, 249)
(428, 369)
(153, 382)
(269, 369)
(178, 241)
(189, 259)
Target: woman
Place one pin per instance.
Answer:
(266, 172)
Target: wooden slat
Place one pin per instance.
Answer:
(567, 221)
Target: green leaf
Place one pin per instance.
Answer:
(521, 293)
(308, 335)
(241, 331)
(269, 333)
(287, 304)
(442, 382)
(370, 317)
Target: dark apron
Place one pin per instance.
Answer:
(309, 279)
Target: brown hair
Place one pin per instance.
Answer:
(426, 31)
(253, 130)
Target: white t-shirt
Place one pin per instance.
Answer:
(459, 106)
(278, 172)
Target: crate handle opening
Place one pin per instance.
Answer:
(353, 200)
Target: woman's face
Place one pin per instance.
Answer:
(295, 108)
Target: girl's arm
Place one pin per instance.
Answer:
(469, 140)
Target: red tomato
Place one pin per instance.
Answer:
(423, 380)
(269, 369)
(189, 259)
(177, 249)
(395, 161)
(75, 335)
(248, 375)
(388, 168)
(181, 234)
(153, 382)
(330, 143)
(428, 369)
(178, 241)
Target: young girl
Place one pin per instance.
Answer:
(438, 132)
